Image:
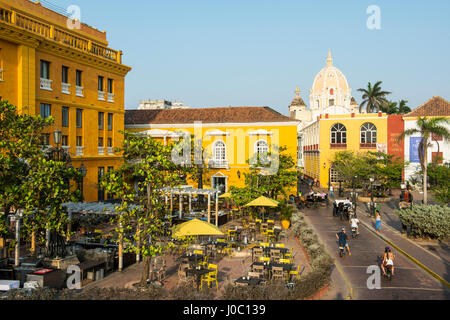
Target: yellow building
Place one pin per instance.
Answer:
(230, 136)
(51, 65)
(333, 133)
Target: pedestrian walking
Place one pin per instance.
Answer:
(331, 192)
(378, 221)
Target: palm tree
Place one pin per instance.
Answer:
(373, 97)
(390, 107)
(403, 108)
(426, 128)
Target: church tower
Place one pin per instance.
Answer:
(297, 106)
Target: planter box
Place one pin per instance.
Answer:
(48, 278)
(376, 200)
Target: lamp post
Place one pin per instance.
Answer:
(83, 171)
(371, 197)
(354, 191)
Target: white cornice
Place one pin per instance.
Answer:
(212, 125)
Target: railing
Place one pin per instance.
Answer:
(79, 151)
(54, 33)
(110, 97)
(101, 95)
(65, 88)
(110, 151)
(79, 91)
(219, 164)
(46, 84)
(101, 151)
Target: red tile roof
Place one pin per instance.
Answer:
(205, 115)
(436, 106)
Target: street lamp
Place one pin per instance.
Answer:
(354, 191)
(371, 196)
(83, 171)
(57, 136)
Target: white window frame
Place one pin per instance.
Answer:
(343, 133)
(215, 146)
(368, 128)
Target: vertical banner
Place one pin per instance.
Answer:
(414, 143)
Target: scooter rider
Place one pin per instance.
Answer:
(342, 238)
(355, 224)
(388, 260)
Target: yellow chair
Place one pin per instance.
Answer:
(264, 244)
(295, 273)
(198, 252)
(210, 277)
(289, 255)
(279, 245)
(287, 261)
(264, 259)
(231, 234)
(221, 240)
(271, 237)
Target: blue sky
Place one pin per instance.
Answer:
(255, 53)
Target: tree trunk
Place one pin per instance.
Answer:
(138, 242)
(146, 272)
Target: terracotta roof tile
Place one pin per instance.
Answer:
(436, 106)
(206, 115)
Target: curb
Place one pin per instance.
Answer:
(428, 270)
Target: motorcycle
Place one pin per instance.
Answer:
(354, 233)
(341, 251)
(388, 272)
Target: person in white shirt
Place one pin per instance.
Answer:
(355, 224)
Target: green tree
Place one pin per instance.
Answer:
(390, 107)
(439, 178)
(20, 145)
(403, 108)
(373, 97)
(426, 127)
(148, 166)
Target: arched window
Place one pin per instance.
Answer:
(368, 133)
(261, 151)
(338, 134)
(219, 151)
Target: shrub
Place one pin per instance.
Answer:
(427, 221)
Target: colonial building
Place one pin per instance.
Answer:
(330, 94)
(230, 136)
(334, 133)
(70, 74)
(439, 150)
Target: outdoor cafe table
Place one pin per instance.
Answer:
(192, 258)
(249, 281)
(287, 267)
(198, 273)
(268, 249)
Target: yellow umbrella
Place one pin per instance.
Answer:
(263, 202)
(195, 228)
(225, 195)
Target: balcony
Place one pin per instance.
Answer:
(1, 75)
(218, 164)
(110, 151)
(79, 92)
(79, 151)
(338, 146)
(110, 97)
(65, 88)
(46, 84)
(57, 34)
(101, 95)
(101, 151)
(66, 148)
(367, 145)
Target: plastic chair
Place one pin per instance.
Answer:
(264, 244)
(279, 245)
(295, 273)
(287, 261)
(264, 259)
(210, 277)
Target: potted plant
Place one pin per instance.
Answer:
(286, 212)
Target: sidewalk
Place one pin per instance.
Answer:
(391, 231)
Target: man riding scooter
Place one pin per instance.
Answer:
(342, 238)
(387, 260)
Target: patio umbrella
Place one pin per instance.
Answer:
(263, 202)
(225, 196)
(195, 228)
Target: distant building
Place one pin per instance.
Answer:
(160, 105)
